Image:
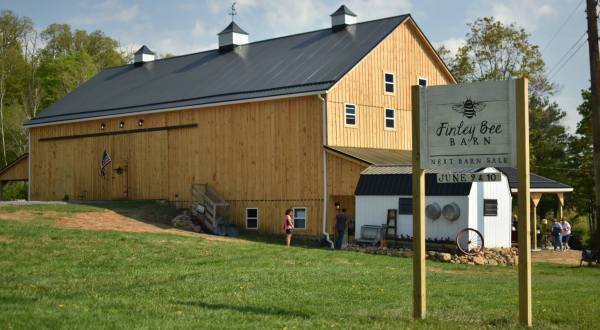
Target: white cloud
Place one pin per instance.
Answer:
(108, 11)
(526, 13)
(452, 44)
(374, 9)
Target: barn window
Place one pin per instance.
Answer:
(405, 206)
(350, 115)
(388, 82)
(490, 207)
(251, 218)
(390, 118)
(299, 217)
(422, 82)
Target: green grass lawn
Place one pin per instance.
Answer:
(63, 278)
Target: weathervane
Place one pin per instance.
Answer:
(233, 11)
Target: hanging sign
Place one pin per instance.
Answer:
(468, 125)
(468, 177)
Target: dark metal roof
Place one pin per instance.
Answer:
(232, 27)
(536, 181)
(343, 10)
(144, 50)
(374, 156)
(401, 185)
(296, 64)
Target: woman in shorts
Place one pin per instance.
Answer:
(288, 226)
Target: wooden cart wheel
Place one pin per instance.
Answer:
(469, 241)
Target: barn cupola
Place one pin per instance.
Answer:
(144, 54)
(232, 36)
(342, 18)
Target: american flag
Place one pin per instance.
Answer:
(105, 161)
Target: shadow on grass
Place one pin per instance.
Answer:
(246, 309)
(156, 213)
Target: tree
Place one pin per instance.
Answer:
(581, 160)
(71, 58)
(13, 29)
(495, 51)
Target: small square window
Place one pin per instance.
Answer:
(350, 115)
(252, 218)
(390, 118)
(405, 206)
(490, 207)
(422, 82)
(389, 83)
(299, 218)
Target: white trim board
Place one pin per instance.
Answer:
(544, 190)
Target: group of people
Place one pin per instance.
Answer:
(561, 232)
(342, 221)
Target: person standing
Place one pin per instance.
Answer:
(288, 226)
(341, 221)
(565, 233)
(556, 230)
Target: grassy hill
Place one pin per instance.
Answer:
(53, 277)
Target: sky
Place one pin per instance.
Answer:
(186, 26)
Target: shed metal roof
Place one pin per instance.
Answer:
(401, 185)
(296, 64)
(536, 181)
(374, 156)
(397, 180)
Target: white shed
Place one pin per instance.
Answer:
(484, 206)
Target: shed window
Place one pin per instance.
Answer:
(252, 218)
(350, 115)
(490, 207)
(390, 118)
(389, 83)
(422, 82)
(299, 218)
(405, 206)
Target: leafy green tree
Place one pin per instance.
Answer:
(496, 51)
(13, 30)
(72, 57)
(581, 164)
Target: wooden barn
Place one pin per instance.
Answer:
(268, 125)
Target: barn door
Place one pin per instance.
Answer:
(119, 179)
(120, 168)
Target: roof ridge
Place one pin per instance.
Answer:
(259, 41)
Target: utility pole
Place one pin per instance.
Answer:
(592, 28)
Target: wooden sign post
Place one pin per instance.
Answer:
(522, 103)
(418, 190)
(475, 125)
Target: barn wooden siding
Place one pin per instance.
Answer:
(261, 154)
(406, 53)
(16, 171)
(265, 154)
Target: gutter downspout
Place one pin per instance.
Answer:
(325, 201)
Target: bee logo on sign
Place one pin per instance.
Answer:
(468, 108)
(468, 125)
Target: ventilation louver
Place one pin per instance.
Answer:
(451, 211)
(433, 211)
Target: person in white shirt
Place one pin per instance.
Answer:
(565, 233)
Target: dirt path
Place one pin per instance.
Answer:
(111, 220)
